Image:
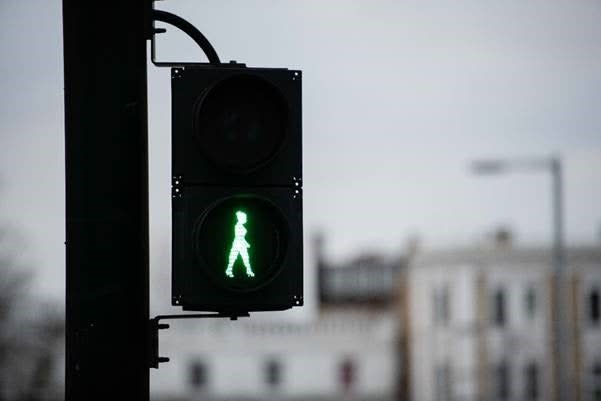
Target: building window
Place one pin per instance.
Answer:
(198, 375)
(443, 382)
(594, 306)
(502, 381)
(347, 374)
(273, 373)
(596, 381)
(531, 381)
(499, 311)
(441, 305)
(530, 302)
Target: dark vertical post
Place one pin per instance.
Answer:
(106, 200)
(562, 367)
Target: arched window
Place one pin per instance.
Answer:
(198, 374)
(273, 373)
(530, 302)
(503, 381)
(442, 307)
(595, 380)
(531, 381)
(347, 374)
(499, 311)
(443, 382)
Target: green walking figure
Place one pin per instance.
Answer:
(239, 247)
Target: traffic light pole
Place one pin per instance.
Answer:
(106, 157)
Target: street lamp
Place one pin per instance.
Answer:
(552, 165)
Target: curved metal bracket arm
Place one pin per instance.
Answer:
(189, 29)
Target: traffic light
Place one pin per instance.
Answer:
(237, 188)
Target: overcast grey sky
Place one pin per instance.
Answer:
(398, 97)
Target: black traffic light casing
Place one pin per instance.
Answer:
(191, 86)
(236, 147)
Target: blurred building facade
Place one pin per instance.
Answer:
(349, 351)
(460, 324)
(480, 324)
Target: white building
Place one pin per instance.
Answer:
(339, 356)
(480, 324)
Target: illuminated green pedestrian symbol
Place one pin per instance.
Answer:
(239, 247)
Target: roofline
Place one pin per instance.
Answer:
(503, 254)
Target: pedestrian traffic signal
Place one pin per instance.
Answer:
(237, 188)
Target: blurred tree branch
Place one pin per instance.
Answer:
(31, 331)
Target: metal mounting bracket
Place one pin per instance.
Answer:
(154, 325)
(186, 27)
